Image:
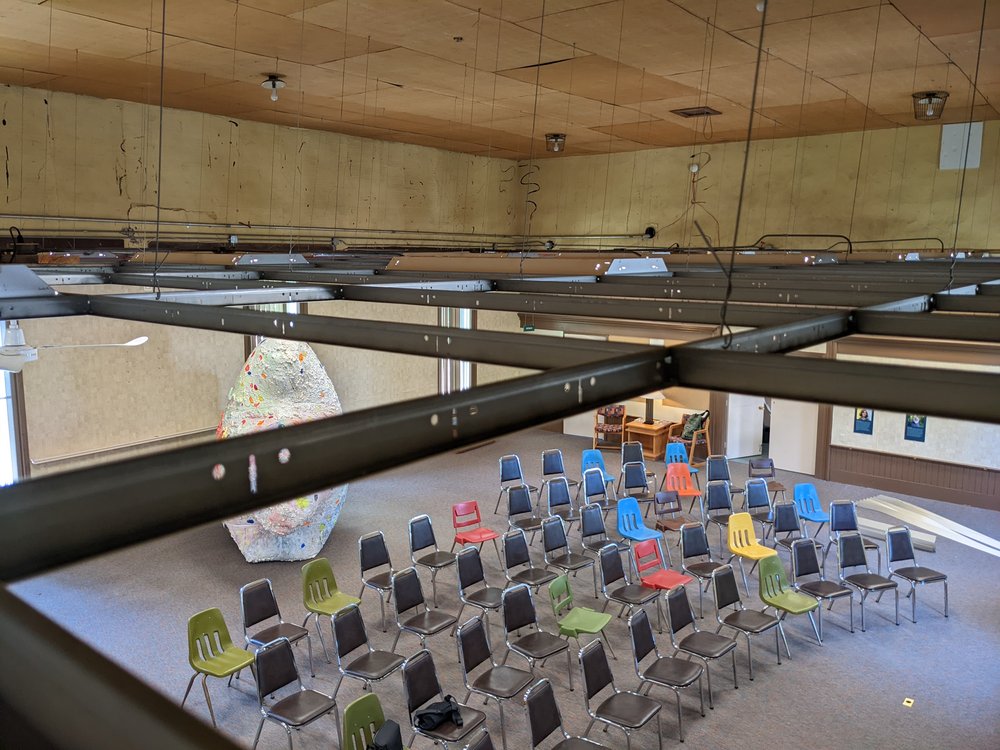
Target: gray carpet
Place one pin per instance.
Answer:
(133, 606)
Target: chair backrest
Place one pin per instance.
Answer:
(641, 634)
(552, 463)
(510, 469)
(805, 559)
(208, 635)
(362, 719)
(274, 668)
(318, 581)
(632, 451)
(741, 531)
(806, 498)
(554, 534)
(420, 680)
(843, 516)
(407, 592)
(560, 595)
(851, 550)
(724, 583)
(773, 580)
(629, 517)
(592, 457)
(592, 521)
(646, 556)
(596, 670)
(558, 494)
(718, 497)
(257, 603)
(899, 544)
(761, 467)
(421, 534)
(679, 612)
(470, 568)
(786, 518)
(593, 483)
(515, 549)
(755, 494)
(372, 551)
(694, 541)
(465, 514)
(543, 711)
(518, 608)
(679, 477)
(676, 454)
(473, 644)
(519, 500)
(717, 469)
(666, 503)
(349, 630)
(634, 476)
(612, 569)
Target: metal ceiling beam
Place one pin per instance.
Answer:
(290, 293)
(42, 307)
(956, 327)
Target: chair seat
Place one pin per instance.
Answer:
(754, 552)
(578, 743)
(382, 581)
(374, 665)
(533, 576)
(787, 543)
(489, 597)
(664, 580)
(230, 661)
(628, 709)
(436, 559)
(448, 731)
(792, 602)
(539, 645)
(332, 604)
(870, 581)
(532, 523)
(595, 546)
(815, 517)
(280, 630)
(762, 516)
(301, 707)
(570, 561)
(703, 569)
(774, 486)
(476, 536)
(642, 534)
(670, 524)
(920, 574)
(707, 645)
(583, 620)
(428, 623)
(566, 513)
(750, 620)
(825, 589)
(632, 593)
(668, 670)
(503, 681)
(719, 519)
(689, 492)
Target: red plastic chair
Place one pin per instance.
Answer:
(678, 479)
(464, 515)
(653, 574)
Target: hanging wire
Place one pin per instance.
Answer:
(532, 167)
(965, 151)
(796, 167)
(159, 156)
(864, 124)
(611, 130)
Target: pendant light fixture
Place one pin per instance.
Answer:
(555, 142)
(928, 105)
(273, 83)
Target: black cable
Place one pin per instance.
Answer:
(159, 158)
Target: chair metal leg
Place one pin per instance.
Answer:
(736, 685)
(812, 621)
(434, 586)
(864, 595)
(309, 645)
(569, 669)
(852, 612)
(781, 630)
(256, 737)
(701, 695)
(496, 509)
(708, 678)
(589, 727)
(680, 716)
(819, 618)
(749, 656)
(913, 602)
(897, 606)
(319, 632)
(503, 727)
(381, 603)
(945, 597)
(208, 698)
(497, 548)
(777, 644)
(336, 688)
(399, 632)
(607, 642)
(746, 585)
(190, 683)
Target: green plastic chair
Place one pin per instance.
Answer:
(362, 719)
(211, 653)
(777, 592)
(321, 595)
(578, 619)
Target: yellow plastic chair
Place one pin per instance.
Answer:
(211, 653)
(743, 543)
(321, 595)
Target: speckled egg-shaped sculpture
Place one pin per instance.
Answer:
(283, 383)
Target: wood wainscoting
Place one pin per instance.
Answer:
(969, 485)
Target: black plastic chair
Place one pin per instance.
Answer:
(511, 475)
(544, 718)
(632, 453)
(749, 622)
(521, 511)
(349, 635)
(617, 588)
(538, 645)
(899, 546)
(667, 671)
(497, 681)
(373, 554)
(805, 562)
(593, 532)
(694, 544)
(718, 507)
(557, 552)
(594, 489)
(407, 594)
(558, 501)
(421, 686)
(851, 554)
(844, 517)
(470, 573)
(517, 565)
(553, 467)
(274, 668)
(622, 709)
(422, 538)
(634, 480)
(258, 605)
(757, 502)
(786, 521)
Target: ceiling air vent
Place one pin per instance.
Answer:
(696, 112)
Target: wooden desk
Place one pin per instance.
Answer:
(652, 436)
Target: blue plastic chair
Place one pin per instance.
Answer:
(677, 454)
(809, 507)
(630, 525)
(591, 458)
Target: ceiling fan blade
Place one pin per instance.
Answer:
(139, 341)
(11, 363)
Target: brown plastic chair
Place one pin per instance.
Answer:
(421, 686)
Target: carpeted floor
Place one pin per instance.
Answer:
(133, 606)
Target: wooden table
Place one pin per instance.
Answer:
(652, 436)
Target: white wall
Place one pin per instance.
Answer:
(793, 435)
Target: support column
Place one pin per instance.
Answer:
(455, 374)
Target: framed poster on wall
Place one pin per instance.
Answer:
(916, 428)
(863, 421)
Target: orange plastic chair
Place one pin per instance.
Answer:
(653, 574)
(464, 515)
(678, 479)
